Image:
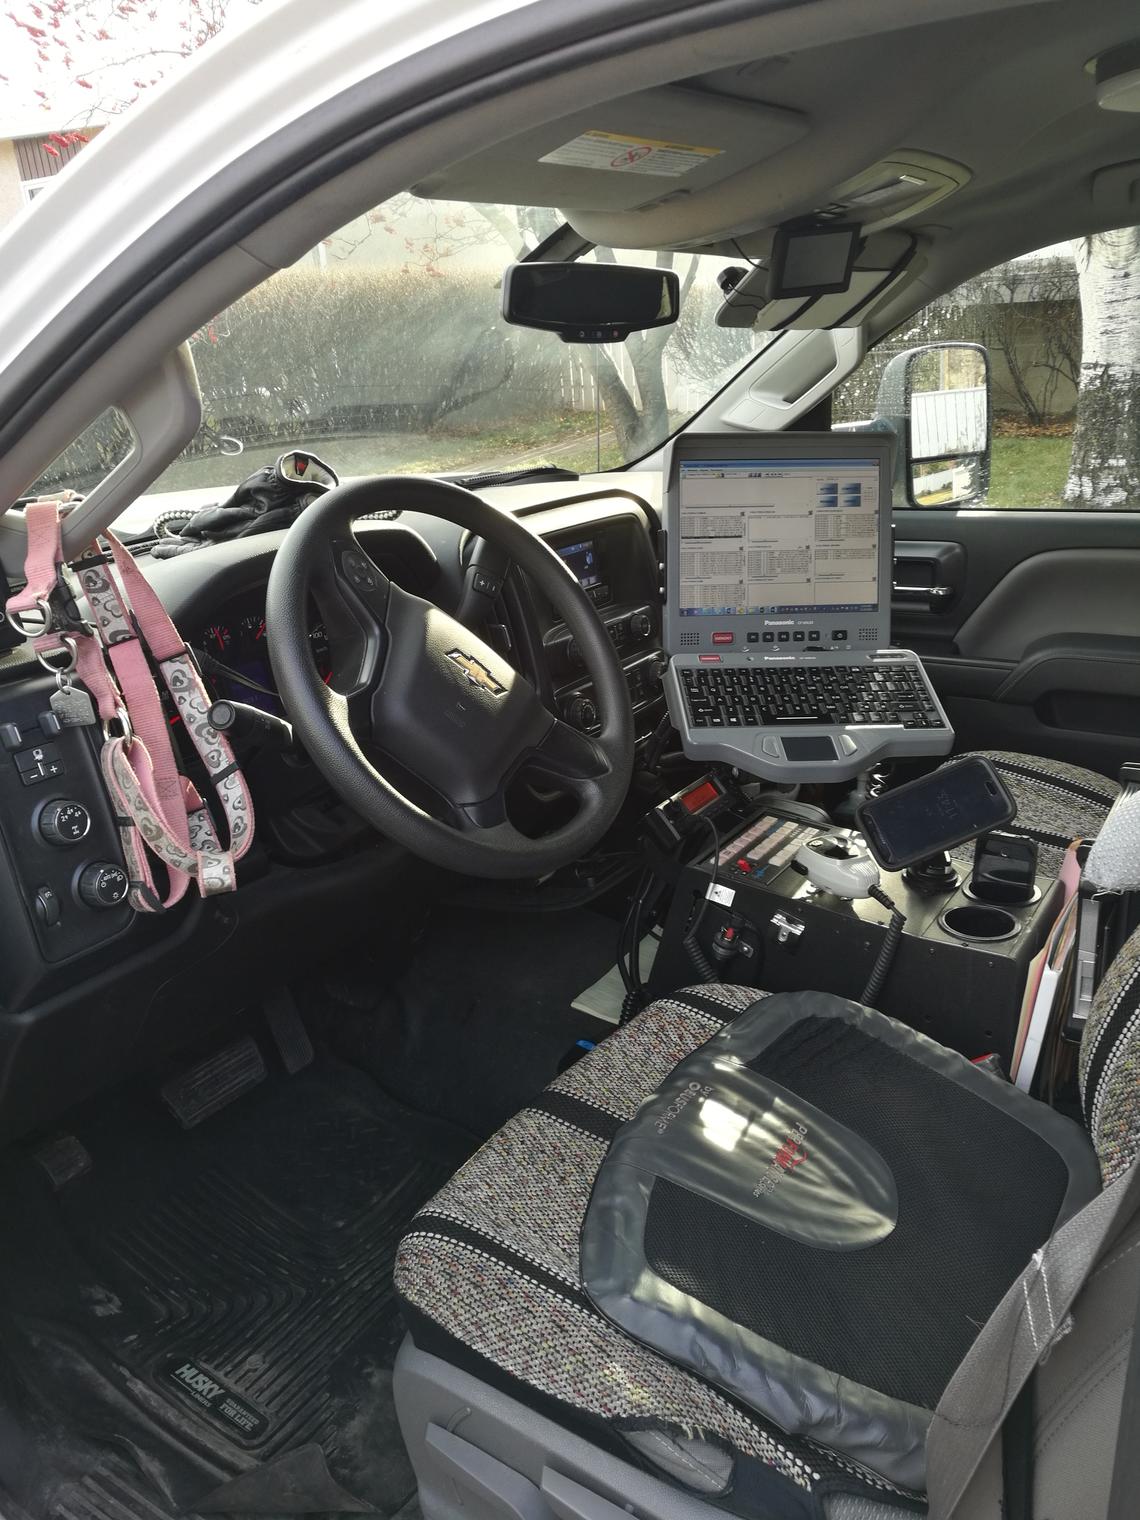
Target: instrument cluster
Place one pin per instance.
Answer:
(234, 656)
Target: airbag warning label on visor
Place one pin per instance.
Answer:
(617, 152)
(202, 1388)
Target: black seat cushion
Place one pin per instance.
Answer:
(818, 1210)
(489, 1279)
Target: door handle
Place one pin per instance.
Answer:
(935, 597)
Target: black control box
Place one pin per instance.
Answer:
(959, 973)
(63, 886)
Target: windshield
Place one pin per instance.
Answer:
(384, 351)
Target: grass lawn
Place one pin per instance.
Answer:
(1029, 472)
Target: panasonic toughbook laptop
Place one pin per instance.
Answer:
(778, 608)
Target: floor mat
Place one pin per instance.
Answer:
(481, 1018)
(205, 1323)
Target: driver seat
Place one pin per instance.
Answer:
(519, 1399)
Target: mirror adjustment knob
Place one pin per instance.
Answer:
(64, 822)
(640, 626)
(581, 713)
(102, 885)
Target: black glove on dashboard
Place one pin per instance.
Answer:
(269, 498)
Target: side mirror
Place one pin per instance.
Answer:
(590, 303)
(937, 400)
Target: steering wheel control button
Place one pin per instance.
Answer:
(485, 584)
(63, 822)
(46, 904)
(102, 885)
(359, 572)
(582, 713)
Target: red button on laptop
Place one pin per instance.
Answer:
(723, 638)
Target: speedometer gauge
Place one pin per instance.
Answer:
(319, 644)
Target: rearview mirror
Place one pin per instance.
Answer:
(937, 399)
(590, 303)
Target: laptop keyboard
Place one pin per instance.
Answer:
(747, 696)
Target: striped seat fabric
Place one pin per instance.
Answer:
(1056, 803)
(1110, 1064)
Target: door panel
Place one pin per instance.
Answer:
(1029, 623)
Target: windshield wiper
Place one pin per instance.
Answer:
(512, 477)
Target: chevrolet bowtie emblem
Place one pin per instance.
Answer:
(477, 674)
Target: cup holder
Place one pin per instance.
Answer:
(1011, 893)
(979, 922)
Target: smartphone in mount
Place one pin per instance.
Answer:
(953, 804)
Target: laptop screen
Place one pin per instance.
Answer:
(763, 542)
(789, 535)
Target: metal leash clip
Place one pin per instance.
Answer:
(68, 647)
(25, 624)
(119, 727)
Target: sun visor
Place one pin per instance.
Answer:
(623, 154)
(746, 306)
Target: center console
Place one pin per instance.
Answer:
(958, 974)
(614, 563)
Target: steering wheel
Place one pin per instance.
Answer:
(447, 713)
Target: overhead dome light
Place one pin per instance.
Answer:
(1117, 75)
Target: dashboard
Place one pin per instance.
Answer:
(604, 544)
(86, 988)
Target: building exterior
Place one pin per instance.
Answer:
(32, 152)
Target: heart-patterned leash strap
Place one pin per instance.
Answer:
(158, 809)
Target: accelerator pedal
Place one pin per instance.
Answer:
(214, 1083)
(63, 1159)
(288, 1031)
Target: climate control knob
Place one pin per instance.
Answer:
(64, 822)
(581, 713)
(640, 626)
(102, 885)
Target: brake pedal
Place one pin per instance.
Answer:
(214, 1083)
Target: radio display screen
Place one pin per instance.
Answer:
(700, 796)
(582, 560)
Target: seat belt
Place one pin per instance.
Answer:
(1032, 1316)
(1124, 1498)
